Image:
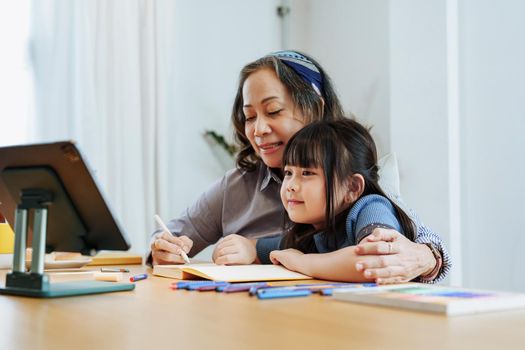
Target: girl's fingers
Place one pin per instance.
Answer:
(274, 258)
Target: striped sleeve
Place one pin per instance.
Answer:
(426, 235)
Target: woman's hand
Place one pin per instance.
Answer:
(393, 258)
(292, 259)
(235, 250)
(166, 248)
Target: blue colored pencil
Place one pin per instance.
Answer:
(275, 294)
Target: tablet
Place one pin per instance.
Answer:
(79, 218)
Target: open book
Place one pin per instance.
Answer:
(234, 273)
(431, 298)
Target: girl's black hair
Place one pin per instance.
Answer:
(312, 106)
(341, 148)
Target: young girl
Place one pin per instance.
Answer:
(331, 194)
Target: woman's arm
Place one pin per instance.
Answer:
(401, 260)
(339, 265)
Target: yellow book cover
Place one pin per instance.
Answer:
(7, 237)
(233, 273)
(116, 258)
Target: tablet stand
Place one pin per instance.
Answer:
(35, 283)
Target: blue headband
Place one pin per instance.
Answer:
(302, 66)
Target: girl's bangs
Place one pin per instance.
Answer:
(305, 151)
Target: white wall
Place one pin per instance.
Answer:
(350, 39)
(492, 52)
(213, 41)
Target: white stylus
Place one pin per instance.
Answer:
(165, 228)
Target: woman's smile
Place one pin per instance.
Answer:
(269, 148)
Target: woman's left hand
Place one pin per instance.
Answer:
(289, 258)
(235, 250)
(393, 258)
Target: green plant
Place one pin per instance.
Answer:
(221, 141)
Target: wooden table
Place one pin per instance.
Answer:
(156, 317)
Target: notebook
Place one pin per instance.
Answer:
(438, 299)
(234, 273)
(116, 258)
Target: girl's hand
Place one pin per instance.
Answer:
(392, 258)
(235, 250)
(292, 259)
(166, 248)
